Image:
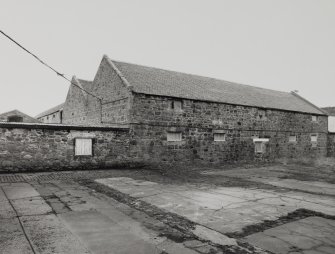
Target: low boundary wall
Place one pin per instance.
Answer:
(43, 147)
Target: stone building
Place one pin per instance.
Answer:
(17, 116)
(176, 117)
(53, 115)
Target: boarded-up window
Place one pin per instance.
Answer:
(174, 136)
(314, 138)
(219, 137)
(177, 105)
(314, 118)
(259, 147)
(292, 138)
(83, 146)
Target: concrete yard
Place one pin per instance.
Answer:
(255, 210)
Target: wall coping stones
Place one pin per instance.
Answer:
(13, 125)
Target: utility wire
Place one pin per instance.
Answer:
(53, 69)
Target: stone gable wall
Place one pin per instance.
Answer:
(75, 107)
(115, 104)
(43, 148)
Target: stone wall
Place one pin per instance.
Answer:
(113, 108)
(155, 116)
(43, 147)
(331, 144)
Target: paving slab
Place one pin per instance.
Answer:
(224, 209)
(20, 190)
(213, 236)
(12, 239)
(102, 235)
(6, 210)
(48, 234)
(31, 206)
(309, 235)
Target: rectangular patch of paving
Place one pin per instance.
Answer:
(20, 190)
(48, 234)
(310, 235)
(102, 235)
(31, 206)
(12, 239)
(224, 209)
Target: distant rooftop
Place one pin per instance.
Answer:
(51, 111)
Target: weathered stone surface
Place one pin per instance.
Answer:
(12, 239)
(213, 236)
(103, 235)
(309, 235)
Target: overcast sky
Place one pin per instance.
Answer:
(277, 44)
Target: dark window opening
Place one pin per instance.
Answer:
(15, 119)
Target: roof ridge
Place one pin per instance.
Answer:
(118, 72)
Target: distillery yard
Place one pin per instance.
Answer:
(271, 208)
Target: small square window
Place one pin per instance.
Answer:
(292, 139)
(83, 146)
(259, 147)
(314, 118)
(314, 138)
(174, 136)
(177, 105)
(219, 137)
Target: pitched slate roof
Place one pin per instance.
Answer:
(154, 81)
(329, 110)
(51, 110)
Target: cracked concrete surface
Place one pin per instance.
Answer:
(310, 235)
(223, 209)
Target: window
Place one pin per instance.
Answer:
(259, 147)
(314, 118)
(177, 105)
(15, 119)
(292, 139)
(219, 137)
(53, 116)
(174, 136)
(261, 114)
(83, 146)
(314, 140)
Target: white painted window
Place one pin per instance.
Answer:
(314, 118)
(261, 114)
(292, 139)
(259, 147)
(174, 136)
(314, 138)
(219, 137)
(331, 123)
(83, 146)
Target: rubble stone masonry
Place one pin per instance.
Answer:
(198, 121)
(50, 147)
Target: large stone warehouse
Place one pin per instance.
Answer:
(169, 117)
(182, 117)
